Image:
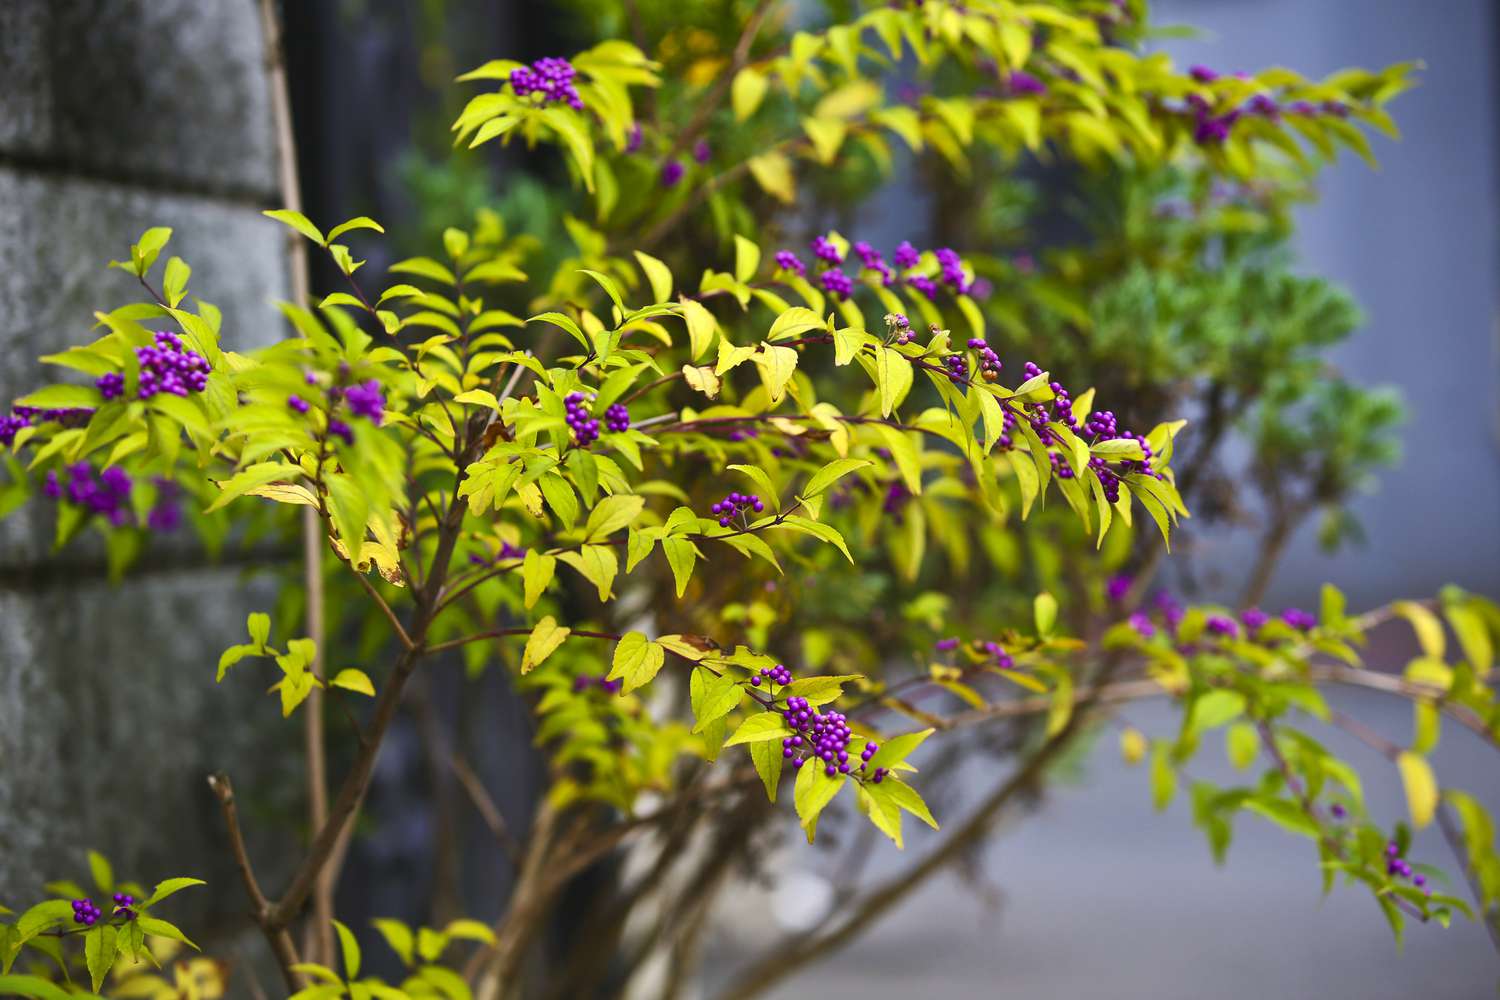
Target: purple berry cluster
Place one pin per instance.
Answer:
(165, 515)
(827, 251)
(779, 675)
(1171, 614)
(789, 262)
(1399, 867)
(366, 400)
(837, 283)
(1003, 659)
(1019, 83)
(107, 494)
(169, 367)
(30, 416)
(830, 259)
(123, 903)
(617, 418)
(111, 385)
(897, 496)
(736, 503)
(585, 428)
(507, 551)
(1100, 426)
(958, 368)
(996, 652)
(825, 737)
(671, 173)
(989, 361)
(85, 912)
(1222, 626)
(583, 682)
(1213, 128)
(552, 78)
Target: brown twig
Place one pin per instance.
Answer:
(281, 941)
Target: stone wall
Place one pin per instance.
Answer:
(118, 115)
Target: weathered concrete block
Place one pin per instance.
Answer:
(170, 92)
(25, 77)
(57, 235)
(110, 720)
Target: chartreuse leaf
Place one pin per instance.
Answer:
(612, 514)
(797, 319)
(156, 927)
(299, 222)
(701, 327)
(1421, 787)
(766, 755)
(907, 798)
(102, 871)
(399, 937)
(681, 555)
(893, 376)
(637, 661)
(542, 643)
(99, 950)
(167, 887)
(657, 274)
(1163, 775)
(1061, 709)
(746, 258)
(354, 679)
(812, 793)
(896, 749)
(713, 696)
(31, 986)
(1044, 612)
(763, 726)
(1132, 745)
(746, 93)
(832, 473)
(350, 949)
(536, 573)
(598, 564)
(762, 482)
(776, 365)
(1426, 625)
(1241, 744)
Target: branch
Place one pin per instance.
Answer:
(715, 97)
(385, 607)
(281, 941)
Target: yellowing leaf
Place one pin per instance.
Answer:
(827, 135)
(542, 643)
(746, 258)
(702, 379)
(701, 327)
(773, 172)
(658, 274)
(637, 660)
(1421, 787)
(776, 366)
(747, 91)
(354, 679)
(536, 573)
(612, 514)
(893, 375)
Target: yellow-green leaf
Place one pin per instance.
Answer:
(542, 643)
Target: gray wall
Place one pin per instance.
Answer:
(117, 115)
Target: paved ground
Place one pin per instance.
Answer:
(1105, 898)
